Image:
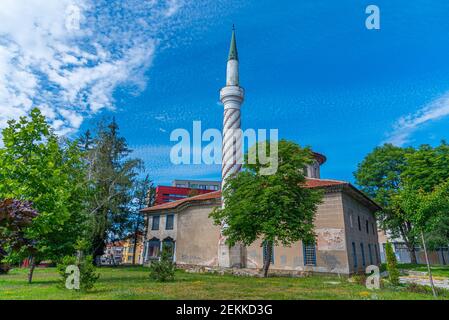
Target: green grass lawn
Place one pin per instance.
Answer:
(437, 270)
(134, 283)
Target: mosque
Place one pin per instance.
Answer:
(345, 226)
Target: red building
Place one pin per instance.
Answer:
(166, 194)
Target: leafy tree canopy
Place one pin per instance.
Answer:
(274, 208)
(35, 166)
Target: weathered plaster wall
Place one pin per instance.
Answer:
(197, 237)
(353, 210)
(331, 246)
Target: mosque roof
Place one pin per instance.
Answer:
(310, 183)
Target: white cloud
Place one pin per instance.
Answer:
(407, 125)
(73, 73)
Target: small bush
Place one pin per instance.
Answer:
(88, 274)
(4, 268)
(416, 288)
(359, 279)
(392, 264)
(164, 269)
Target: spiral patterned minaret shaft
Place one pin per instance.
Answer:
(232, 98)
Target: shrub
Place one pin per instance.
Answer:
(416, 288)
(88, 275)
(4, 267)
(164, 269)
(359, 279)
(392, 264)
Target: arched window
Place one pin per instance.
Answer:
(169, 244)
(154, 246)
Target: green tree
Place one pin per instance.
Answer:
(427, 169)
(426, 210)
(143, 196)
(36, 166)
(111, 174)
(392, 264)
(275, 208)
(15, 218)
(380, 176)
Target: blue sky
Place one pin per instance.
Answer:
(310, 69)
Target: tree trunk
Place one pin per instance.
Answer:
(31, 271)
(98, 251)
(267, 262)
(412, 253)
(410, 243)
(428, 264)
(135, 243)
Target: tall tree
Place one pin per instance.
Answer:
(143, 196)
(427, 170)
(425, 209)
(273, 208)
(380, 176)
(111, 175)
(35, 166)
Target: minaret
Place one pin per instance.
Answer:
(232, 98)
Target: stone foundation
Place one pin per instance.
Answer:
(243, 272)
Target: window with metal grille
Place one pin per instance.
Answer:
(358, 220)
(354, 254)
(367, 226)
(376, 254)
(169, 222)
(362, 249)
(265, 252)
(155, 224)
(309, 254)
(370, 254)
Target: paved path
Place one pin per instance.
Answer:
(422, 278)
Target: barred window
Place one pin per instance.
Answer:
(370, 254)
(265, 252)
(354, 254)
(376, 254)
(309, 254)
(362, 249)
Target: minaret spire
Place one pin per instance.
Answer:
(232, 73)
(233, 54)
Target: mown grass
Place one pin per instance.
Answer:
(437, 270)
(134, 283)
